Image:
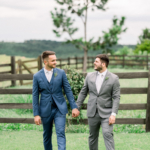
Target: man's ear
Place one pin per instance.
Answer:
(45, 61)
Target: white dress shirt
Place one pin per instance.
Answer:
(48, 74)
(99, 81)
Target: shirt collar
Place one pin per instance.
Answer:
(46, 71)
(103, 73)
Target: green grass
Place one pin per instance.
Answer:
(30, 135)
(33, 140)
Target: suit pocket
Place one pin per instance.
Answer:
(108, 84)
(43, 102)
(108, 105)
(90, 101)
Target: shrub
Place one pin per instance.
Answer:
(76, 81)
(124, 51)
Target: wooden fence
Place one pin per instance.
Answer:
(75, 62)
(22, 66)
(19, 66)
(125, 61)
(12, 71)
(115, 60)
(128, 76)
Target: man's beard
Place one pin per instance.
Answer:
(50, 66)
(99, 68)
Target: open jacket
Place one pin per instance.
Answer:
(41, 86)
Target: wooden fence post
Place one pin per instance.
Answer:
(93, 61)
(60, 63)
(123, 61)
(147, 62)
(148, 106)
(40, 63)
(20, 70)
(13, 70)
(88, 62)
(82, 63)
(68, 61)
(76, 62)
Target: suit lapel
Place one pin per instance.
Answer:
(106, 78)
(53, 77)
(93, 80)
(43, 76)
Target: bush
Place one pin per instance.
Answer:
(76, 81)
(124, 51)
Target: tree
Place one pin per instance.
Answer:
(144, 42)
(143, 47)
(144, 35)
(64, 23)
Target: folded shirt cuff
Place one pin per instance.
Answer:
(114, 114)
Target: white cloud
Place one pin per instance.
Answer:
(29, 9)
(30, 19)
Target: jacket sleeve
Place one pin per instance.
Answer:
(68, 92)
(116, 95)
(35, 96)
(83, 93)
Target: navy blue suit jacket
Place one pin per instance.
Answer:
(41, 86)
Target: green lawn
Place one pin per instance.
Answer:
(32, 140)
(29, 136)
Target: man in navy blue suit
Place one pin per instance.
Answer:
(49, 82)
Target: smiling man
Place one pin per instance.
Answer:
(49, 81)
(104, 97)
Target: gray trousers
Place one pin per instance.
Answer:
(94, 126)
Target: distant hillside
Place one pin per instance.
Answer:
(33, 48)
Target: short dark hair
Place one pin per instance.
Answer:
(45, 54)
(104, 58)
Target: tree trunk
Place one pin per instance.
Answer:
(85, 60)
(85, 35)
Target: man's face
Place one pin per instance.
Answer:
(98, 65)
(50, 62)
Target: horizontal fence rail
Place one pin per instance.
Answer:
(73, 121)
(129, 75)
(29, 91)
(4, 65)
(84, 106)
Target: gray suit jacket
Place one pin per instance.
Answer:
(107, 100)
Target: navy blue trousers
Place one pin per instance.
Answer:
(59, 121)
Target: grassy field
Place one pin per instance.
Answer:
(20, 137)
(32, 140)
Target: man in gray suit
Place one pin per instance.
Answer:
(104, 97)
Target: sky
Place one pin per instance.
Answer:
(22, 20)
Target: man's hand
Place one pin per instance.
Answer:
(37, 120)
(75, 112)
(112, 119)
